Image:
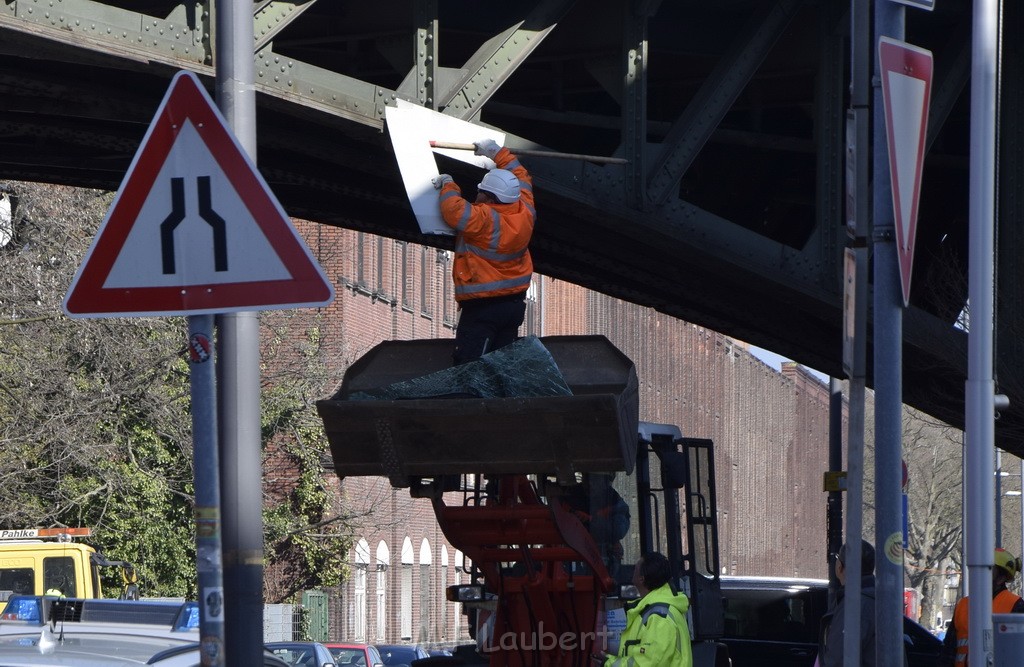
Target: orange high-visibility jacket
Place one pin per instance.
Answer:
(492, 257)
(1002, 603)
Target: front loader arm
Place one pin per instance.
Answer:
(542, 564)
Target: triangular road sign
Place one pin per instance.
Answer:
(906, 92)
(194, 228)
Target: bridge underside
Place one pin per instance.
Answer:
(729, 213)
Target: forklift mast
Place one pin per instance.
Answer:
(679, 518)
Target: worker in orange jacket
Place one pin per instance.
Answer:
(493, 267)
(954, 646)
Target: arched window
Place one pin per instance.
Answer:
(443, 611)
(405, 613)
(460, 564)
(362, 562)
(426, 558)
(383, 561)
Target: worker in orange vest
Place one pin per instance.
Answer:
(954, 646)
(493, 268)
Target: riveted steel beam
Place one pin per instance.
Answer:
(317, 88)
(498, 58)
(272, 17)
(634, 101)
(824, 249)
(182, 39)
(715, 97)
(425, 50)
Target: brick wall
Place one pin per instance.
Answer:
(770, 428)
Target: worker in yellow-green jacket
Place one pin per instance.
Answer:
(656, 631)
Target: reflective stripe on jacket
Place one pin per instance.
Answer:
(1002, 603)
(492, 256)
(656, 632)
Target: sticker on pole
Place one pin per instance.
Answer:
(194, 228)
(906, 93)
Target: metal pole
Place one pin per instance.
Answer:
(238, 369)
(888, 347)
(203, 392)
(854, 524)
(860, 102)
(980, 388)
(834, 512)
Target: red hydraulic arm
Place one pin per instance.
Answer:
(547, 608)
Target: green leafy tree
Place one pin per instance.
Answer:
(94, 422)
(307, 531)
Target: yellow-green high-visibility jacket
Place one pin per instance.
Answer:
(656, 632)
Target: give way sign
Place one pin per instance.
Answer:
(194, 228)
(906, 93)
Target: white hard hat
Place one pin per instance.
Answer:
(501, 183)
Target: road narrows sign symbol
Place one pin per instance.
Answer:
(194, 228)
(906, 92)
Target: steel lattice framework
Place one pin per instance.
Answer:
(729, 213)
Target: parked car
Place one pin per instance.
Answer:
(47, 648)
(401, 654)
(355, 655)
(88, 649)
(188, 656)
(302, 654)
(774, 621)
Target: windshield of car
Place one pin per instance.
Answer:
(784, 615)
(348, 656)
(297, 655)
(398, 655)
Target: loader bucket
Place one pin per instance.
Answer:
(592, 429)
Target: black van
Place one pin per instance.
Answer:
(774, 621)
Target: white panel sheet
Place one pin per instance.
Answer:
(412, 128)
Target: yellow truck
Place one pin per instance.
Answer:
(47, 561)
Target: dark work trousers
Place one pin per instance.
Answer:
(486, 325)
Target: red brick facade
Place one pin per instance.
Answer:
(770, 430)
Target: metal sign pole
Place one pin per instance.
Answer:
(202, 377)
(858, 226)
(238, 374)
(857, 263)
(888, 364)
(980, 388)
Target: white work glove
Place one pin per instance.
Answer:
(440, 180)
(486, 147)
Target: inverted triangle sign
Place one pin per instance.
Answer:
(194, 228)
(906, 92)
